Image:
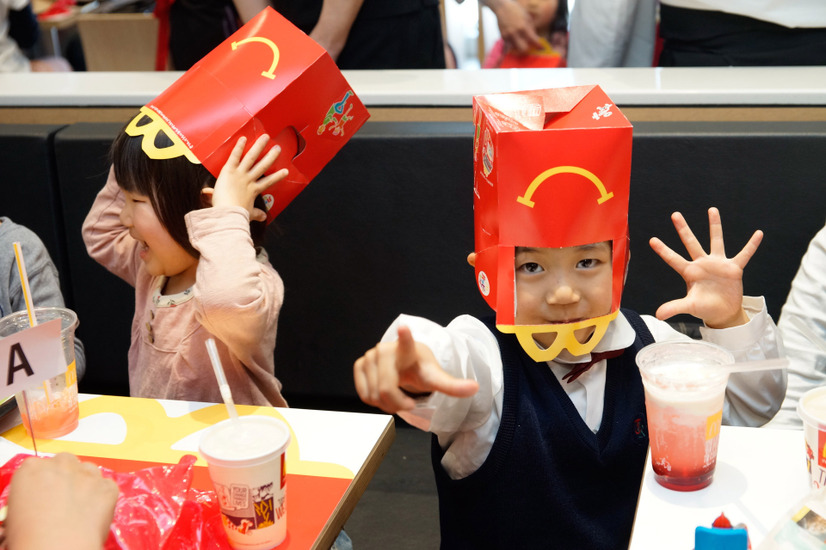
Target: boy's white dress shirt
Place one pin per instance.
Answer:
(466, 428)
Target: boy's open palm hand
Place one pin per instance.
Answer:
(714, 282)
(388, 374)
(242, 178)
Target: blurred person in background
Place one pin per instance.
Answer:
(697, 33)
(196, 27)
(372, 34)
(612, 33)
(20, 30)
(516, 26)
(550, 21)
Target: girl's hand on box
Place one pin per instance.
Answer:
(241, 181)
(391, 374)
(714, 282)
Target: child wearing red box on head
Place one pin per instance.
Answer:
(195, 177)
(538, 415)
(184, 240)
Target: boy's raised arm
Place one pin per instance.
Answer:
(391, 374)
(714, 282)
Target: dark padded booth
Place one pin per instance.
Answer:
(387, 225)
(761, 175)
(104, 303)
(29, 187)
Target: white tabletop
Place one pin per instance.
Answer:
(761, 474)
(796, 86)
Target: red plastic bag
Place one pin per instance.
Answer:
(156, 508)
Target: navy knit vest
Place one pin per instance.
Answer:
(549, 481)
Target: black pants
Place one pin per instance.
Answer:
(408, 41)
(387, 34)
(702, 38)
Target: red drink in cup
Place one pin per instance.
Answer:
(53, 417)
(684, 396)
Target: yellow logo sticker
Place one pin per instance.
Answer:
(151, 129)
(538, 180)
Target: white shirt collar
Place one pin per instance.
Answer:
(619, 335)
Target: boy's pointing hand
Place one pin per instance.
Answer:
(391, 374)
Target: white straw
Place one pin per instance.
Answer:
(762, 364)
(222, 379)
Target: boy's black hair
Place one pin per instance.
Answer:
(173, 185)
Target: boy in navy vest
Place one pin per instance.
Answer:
(538, 416)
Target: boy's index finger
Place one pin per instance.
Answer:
(457, 387)
(674, 260)
(406, 344)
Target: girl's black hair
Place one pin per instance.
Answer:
(173, 185)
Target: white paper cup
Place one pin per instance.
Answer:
(812, 410)
(246, 460)
(684, 394)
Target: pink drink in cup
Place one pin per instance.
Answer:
(52, 405)
(247, 466)
(684, 396)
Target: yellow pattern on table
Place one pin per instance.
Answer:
(151, 433)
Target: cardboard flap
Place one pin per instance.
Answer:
(515, 111)
(564, 100)
(534, 109)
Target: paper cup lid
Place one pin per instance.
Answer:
(249, 441)
(808, 415)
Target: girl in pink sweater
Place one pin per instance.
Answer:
(189, 245)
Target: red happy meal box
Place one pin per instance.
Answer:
(268, 77)
(551, 169)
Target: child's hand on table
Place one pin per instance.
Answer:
(391, 374)
(59, 502)
(714, 282)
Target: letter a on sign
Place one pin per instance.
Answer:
(31, 356)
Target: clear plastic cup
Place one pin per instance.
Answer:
(247, 465)
(52, 407)
(812, 410)
(684, 395)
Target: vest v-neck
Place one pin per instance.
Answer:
(596, 441)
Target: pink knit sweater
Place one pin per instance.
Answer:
(236, 299)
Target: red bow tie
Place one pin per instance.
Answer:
(596, 357)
